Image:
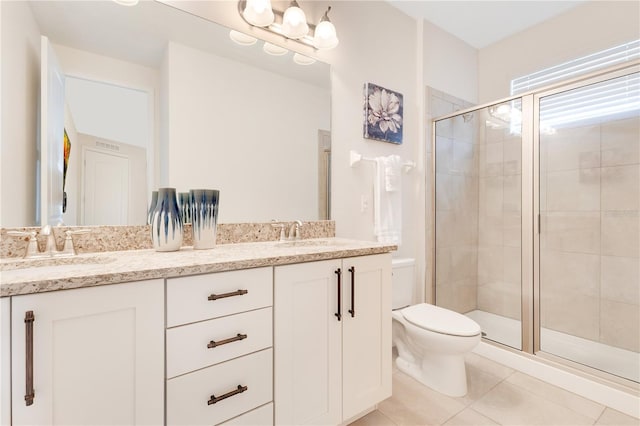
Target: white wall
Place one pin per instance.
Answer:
(223, 113)
(588, 28)
(20, 91)
(450, 65)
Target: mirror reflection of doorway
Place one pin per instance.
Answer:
(105, 182)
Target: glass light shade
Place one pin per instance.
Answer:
(259, 13)
(242, 38)
(303, 60)
(325, 36)
(126, 2)
(274, 50)
(294, 23)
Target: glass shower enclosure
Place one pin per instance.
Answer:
(537, 223)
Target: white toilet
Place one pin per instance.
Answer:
(431, 341)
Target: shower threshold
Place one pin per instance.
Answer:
(613, 360)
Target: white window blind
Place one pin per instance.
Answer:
(616, 97)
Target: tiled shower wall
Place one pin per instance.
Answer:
(499, 239)
(590, 232)
(456, 205)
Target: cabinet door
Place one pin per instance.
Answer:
(307, 343)
(97, 355)
(366, 334)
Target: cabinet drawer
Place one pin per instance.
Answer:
(259, 417)
(188, 396)
(188, 298)
(189, 347)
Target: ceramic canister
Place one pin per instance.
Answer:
(204, 217)
(166, 222)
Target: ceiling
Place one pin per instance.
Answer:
(481, 23)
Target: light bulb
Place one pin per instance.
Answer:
(294, 22)
(258, 13)
(325, 35)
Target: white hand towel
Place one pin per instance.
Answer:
(392, 173)
(387, 207)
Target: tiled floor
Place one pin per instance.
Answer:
(497, 395)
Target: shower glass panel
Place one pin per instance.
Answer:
(589, 152)
(478, 218)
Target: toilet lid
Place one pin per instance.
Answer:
(440, 320)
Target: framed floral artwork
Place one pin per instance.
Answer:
(382, 114)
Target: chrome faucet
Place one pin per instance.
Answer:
(294, 230)
(51, 248)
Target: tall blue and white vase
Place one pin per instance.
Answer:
(185, 206)
(204, 217)
(167, 229)
(152, 206)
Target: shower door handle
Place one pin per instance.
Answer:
(339, 313)
(352, 311)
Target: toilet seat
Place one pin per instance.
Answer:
(440, 320)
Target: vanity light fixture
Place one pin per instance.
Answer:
(258, 13)
(294, 21)
(325, 37)
(242, 38)
(291, 23)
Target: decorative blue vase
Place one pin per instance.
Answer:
(166, 222)
(152, 206)
(204, 217)
(185, 207)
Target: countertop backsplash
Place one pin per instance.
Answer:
(118, 238)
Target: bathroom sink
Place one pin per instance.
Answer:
(53, 262)
(311, 243)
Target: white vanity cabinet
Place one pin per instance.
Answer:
(332, 339)
(219, 348)
(89, 356)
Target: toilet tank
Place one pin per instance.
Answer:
(402, 282)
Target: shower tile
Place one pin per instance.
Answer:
(464, 262)
(493, 135)
(459, 296)
(490, 264)
(512, 153)
(443, 265)
(612, 417)
(621, 187)
(569, 313)
(444, 128)
(444, 154)
(567, 274)
(574, 148)
(620, 279)
(415, 404)
(512, 268)
(511, 405)
(621, 142)
(621, 233)
(619, 325)
(512, 194)
(470, 417)
(571, 232)
(555, 394)
(573, 190)
(491, 230)
(500, 298)
(491, 195)
(444, 191)
(491, 160)
(512, 229)
(463, 130)
(465, 158)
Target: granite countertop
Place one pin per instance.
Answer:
(19, 277)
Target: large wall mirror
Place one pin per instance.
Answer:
(152, 96)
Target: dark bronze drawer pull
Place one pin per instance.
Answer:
(339, 313)
(213, 343)
(352, 311)
(29, 318)
(215, 399)
(222, 296)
